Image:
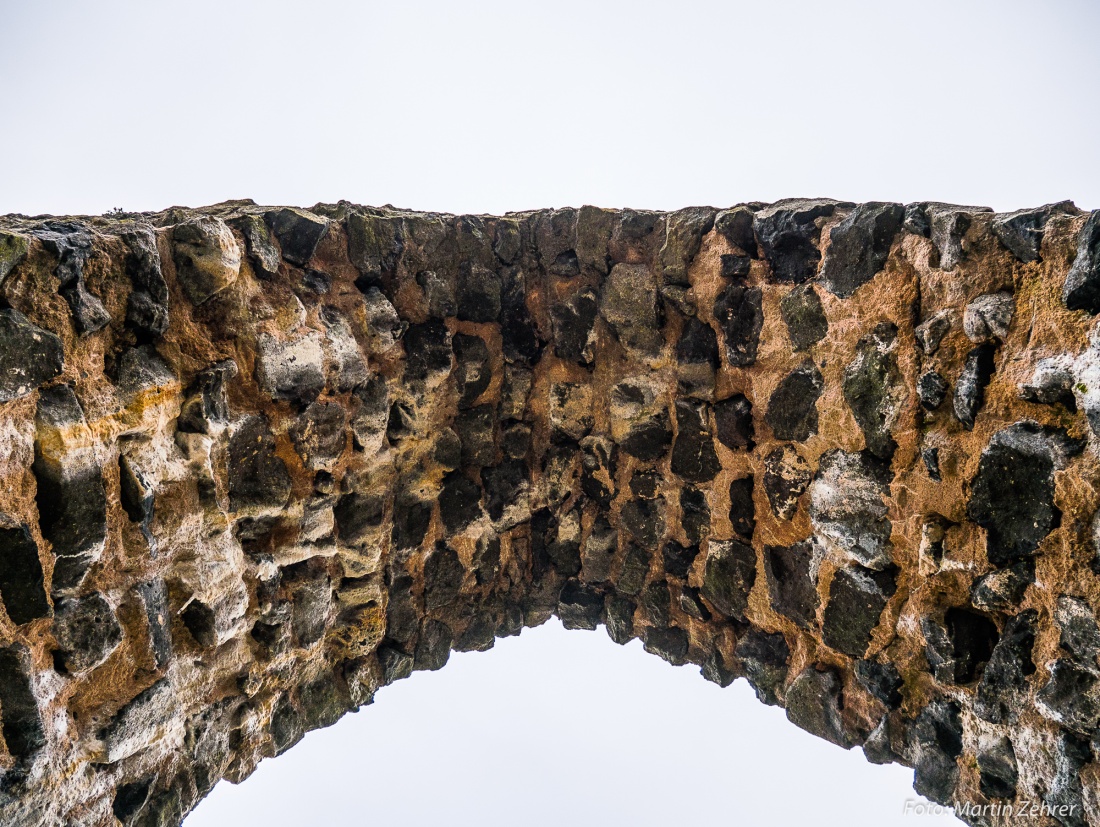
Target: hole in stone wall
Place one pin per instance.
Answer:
(556, 727)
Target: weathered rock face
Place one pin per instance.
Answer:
(259, 462)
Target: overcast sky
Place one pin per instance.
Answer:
(496, 106)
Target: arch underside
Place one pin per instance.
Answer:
(259, 462)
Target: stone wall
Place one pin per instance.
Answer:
(257, 462)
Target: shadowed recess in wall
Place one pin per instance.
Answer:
(259, 462)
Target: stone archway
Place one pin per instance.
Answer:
(262, 461)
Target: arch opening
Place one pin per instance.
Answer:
(558, 726)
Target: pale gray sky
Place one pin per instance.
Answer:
(565, 729)
(495, 106)
(505, 105)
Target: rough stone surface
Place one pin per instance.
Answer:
(788, 234)
(260, 461)
(792, 584)
(786, 476)
(1012, 495)
(857, 597)
(792, 407)
(628, 303)
(74, 247)
(728, 577)
(814, 704)
(740, 317)
(262, 250)
(13, 249)
(207, 256)
(970, 388)
(693, 455)
(860, 245)
(29, 355)
(21, 578)
(987, 318)
(298, 231)
(1022, 231)
(1081, 290)
(1004, 683)
(147, 305)
(87, 632)
(24, 734)
(998, 768)
(875, 391)
(804, 316)
(849, 506)
(959, 646)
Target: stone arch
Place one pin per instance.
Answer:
(266, 460)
